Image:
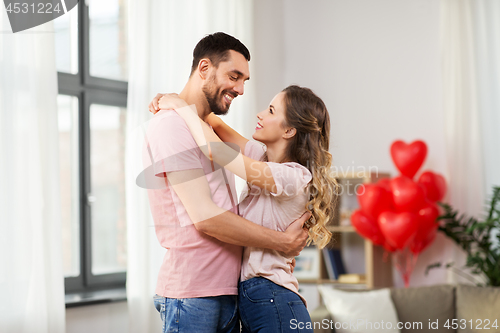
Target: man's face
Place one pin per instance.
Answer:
(226, 82)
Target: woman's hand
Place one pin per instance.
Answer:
(166, 102)
(171, 102)
(153, 106)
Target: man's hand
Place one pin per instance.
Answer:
(153, 106)
(296, 236)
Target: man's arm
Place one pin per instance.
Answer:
(192, 189)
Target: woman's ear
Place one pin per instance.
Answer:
(204, 67)
(289, 133)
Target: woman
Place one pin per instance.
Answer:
(284, 180)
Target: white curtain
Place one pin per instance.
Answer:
(471, 81)
(463, 132)
(486, 19)
(31, 276)
(162, 36)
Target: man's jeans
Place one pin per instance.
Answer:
(269, 308)
(217, 314)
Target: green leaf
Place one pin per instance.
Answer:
(475, 238)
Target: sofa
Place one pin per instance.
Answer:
(462, 308)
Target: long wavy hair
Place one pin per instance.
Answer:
(307, 113)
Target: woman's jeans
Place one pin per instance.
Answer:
(217, 314)
(266, 307)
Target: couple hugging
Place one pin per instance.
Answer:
(228, 261)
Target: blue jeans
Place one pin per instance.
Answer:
(217, 314)
(266, 307)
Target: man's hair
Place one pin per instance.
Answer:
(216, 48)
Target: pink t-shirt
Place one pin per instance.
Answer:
(273, 211)
(195, 265)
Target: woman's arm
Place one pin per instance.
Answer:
(255, 172)
(226, 132)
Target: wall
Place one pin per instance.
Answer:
(376, 64)
(269, 54)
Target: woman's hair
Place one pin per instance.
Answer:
(307, 113)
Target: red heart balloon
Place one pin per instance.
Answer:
(427, 216)
(398, 228)
(408, 158)
(427, 227)
(406, 194)
(385, 183)
(374, 200)
(434, 185)
(367, 227)
(388, 247)
(423, 241)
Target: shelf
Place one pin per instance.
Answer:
(341, 228)
(337, 285)
(367, 177)
(365, 258)
(328, 281)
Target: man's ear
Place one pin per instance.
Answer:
(204, 67)
(289, 133)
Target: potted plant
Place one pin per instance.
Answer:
(479, 239)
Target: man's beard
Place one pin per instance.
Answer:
(213, 98)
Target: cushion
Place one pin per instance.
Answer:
(479, 304)
(425, 305)
(360, 312)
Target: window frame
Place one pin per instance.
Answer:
(89, 90)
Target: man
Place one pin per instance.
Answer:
(195, 214)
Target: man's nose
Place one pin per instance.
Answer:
(239, 88)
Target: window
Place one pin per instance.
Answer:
(91, 61)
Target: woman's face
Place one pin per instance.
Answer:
(269, 127)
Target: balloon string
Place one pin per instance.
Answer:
(405, 262)
(385, 256)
